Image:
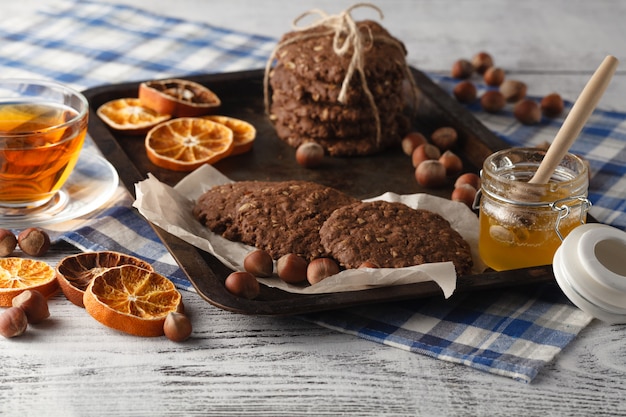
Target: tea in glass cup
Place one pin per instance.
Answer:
(42, 129)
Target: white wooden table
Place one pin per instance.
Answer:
(241, 365)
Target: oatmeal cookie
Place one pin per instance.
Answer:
(393, 235)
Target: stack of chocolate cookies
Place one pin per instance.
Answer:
(307, 79)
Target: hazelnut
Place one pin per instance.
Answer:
(513, 90)
(368, 264)
(34, 304)
(451, 162)
(444, 138)
(492, 101)
(552, 105)
(13, 322)
(291, 268)
(465, 92)
(462, 69)
(34, 241)
(468, 178)
(527, 111)
(8, 242)
(464, 193)
(177, 327)
(494, 76)
(424, 152)
(411, 141)
(430, 174)
(243, 284)
(481, 61)
(259, 263)
(310, 154)
(320, 269)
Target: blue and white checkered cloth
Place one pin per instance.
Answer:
(512, 333)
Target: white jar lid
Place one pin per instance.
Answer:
(590, 268)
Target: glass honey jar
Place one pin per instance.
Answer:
(522, 224)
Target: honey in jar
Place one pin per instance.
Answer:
(523, 224)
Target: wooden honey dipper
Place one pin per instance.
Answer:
(575, 120)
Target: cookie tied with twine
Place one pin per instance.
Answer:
(339, 83)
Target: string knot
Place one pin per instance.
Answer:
(348, 38)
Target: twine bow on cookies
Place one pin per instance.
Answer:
(348, 37)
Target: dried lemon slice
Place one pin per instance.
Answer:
(185, 144)
(129, 116)
(180, 98)
(244, 133)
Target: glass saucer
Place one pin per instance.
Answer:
(91, 184)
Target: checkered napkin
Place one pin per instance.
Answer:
(511, 333)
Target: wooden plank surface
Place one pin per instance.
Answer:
(247, 365)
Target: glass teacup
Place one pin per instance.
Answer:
(42, 129)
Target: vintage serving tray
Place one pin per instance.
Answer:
(271, 159)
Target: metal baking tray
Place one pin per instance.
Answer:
(271, 159)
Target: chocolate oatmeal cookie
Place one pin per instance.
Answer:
(217, 207)
(314, 58)
(342, 144)
(280, 217)
(289, 83)
(393, 235)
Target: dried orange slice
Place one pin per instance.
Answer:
(74, 273)
(243, 132)
(129, 116)
(185, 144)
(180, 98)
(132, 300)
(20, 274)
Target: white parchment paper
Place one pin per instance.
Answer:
(171, 209)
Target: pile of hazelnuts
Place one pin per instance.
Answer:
(290, 268)
(435, 162)
(28, 307)
(32, 241)
(501, 91)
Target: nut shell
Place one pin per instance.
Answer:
(259, 263)
(310, 154)
(481, 61)
(513, 90)
(527, 111)
(33, 241)
(177, 327)
(8, 242)
(291, 268)
(552, 105)
(320, 269)
(494, 76)
(492, 101)
(444, 138)
(13, 322)
(430, 174)
(411, 141)
(34, 304)
(424, 152)
(465, 92)
(242, 284)
(462, 69)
